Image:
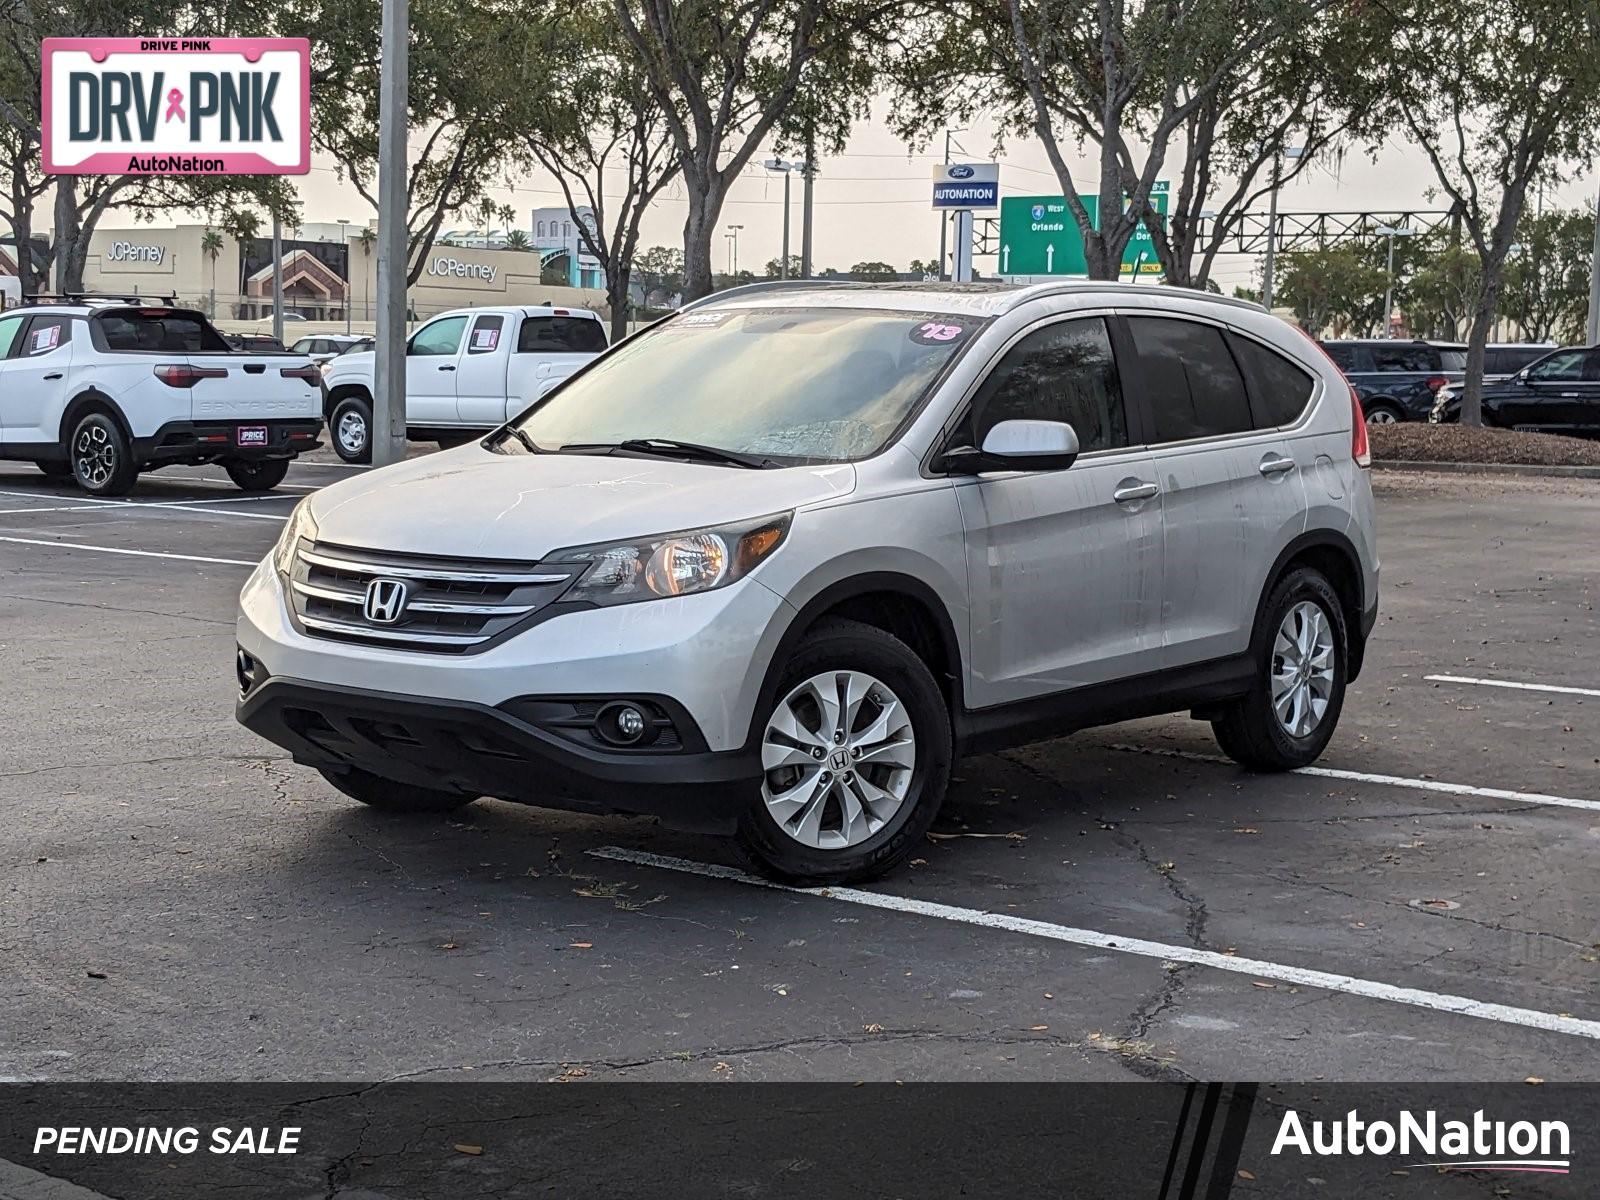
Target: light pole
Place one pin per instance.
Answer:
(387, 437)
(788, 169)
(733, 251)
(1272, 222)
(344, 232)
(1391, 232)
(944, 217)
(1592, 326)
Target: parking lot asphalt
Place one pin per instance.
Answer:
(179, 901)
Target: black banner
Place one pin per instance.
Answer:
(1158, 1141)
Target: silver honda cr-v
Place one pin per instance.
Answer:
(769, 567)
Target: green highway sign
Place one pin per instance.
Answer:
(1038, 236)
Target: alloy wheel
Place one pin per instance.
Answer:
(94, 456)
(837, 759)
(1302, 669)
(1382, 416)
(352, 432)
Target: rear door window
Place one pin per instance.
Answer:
(1404, 357)
(486, 333)
(158, 332)
(1192, 385)
(560, 335)
(1279, 389)
(45, 336)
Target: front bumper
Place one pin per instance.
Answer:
(480, 750)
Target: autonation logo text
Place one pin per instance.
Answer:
(1476, 1145)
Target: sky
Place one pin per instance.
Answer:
(872, 201)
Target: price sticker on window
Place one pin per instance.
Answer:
(938, 333)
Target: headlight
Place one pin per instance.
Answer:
(673, 564)
(299, 525)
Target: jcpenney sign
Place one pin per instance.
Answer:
(455, 268)
(135, 252)
(176, 106)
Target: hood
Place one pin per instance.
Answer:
(473, 503)
(353, 359)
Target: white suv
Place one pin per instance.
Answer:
(769, 567)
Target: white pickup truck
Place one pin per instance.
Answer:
(467, 372)
(101, 389)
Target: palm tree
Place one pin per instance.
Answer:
(211, 244)
(518, 240)
(368, 238)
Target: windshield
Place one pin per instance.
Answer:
(796, 384)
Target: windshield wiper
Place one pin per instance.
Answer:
(527, 442)
(671, 448)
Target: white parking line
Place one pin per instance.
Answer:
(86, 503)
(1509, 683)
(1255, 968)
(1420, 785)
(229, 562)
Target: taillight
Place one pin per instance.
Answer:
(308, 372)
(1437, 382)
(1360, 450)
(182, 375)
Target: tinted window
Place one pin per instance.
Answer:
(1563, 367)
(1405, 357)
(1348, 356)
(1452, 360)
(561, 335)
(1064, 372)
(158, 332)
(9, 328)
(305, 346)
(443, 337)
(486, 335)
(46, 334)
(1279, 389)
(1193, 385)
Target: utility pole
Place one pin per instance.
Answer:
(277, 279)
(805, 202)
(344, 236)
(1391, 232)
(1272, 235)
(733, 252)
(783, 260)
(1593, 329)
(388, 435)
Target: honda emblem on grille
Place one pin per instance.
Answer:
(386, 601)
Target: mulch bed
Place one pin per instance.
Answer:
(1416, 442)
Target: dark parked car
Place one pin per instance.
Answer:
(1558, 394)
(1398, 380)
(253, 343)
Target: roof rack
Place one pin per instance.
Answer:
(98, 298)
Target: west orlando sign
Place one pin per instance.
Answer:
(165, 106)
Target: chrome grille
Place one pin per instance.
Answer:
(454, 604)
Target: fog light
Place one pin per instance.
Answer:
(246, 668)
(622, 724)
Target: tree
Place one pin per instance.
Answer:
(660, 273)
(1441, 292)
(1123, 75)
(873, 271)
(774, 268)
(19, 158)
(927, 268)
(211, 244)
(1546, 289)
(518, 239)
(726, 76)
(1337, 287)
(606, 122)
(1512, 92)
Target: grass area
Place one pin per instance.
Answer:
(1415, 442)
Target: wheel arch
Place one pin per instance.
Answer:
(1334, 555)
(340, 391)
(87, 401)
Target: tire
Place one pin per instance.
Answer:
(905, 795)
(261, 475)
(55, 470)
(1250, 730)
(388, 796)
(100, 459)
(1380, 413)
(350, 427)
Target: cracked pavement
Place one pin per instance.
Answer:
(178, 901)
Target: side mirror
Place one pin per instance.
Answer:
(1018, 446)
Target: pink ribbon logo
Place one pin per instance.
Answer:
(175, 105)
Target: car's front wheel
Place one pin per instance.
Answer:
(101, 458)
(1301, 650)
(1384, 414)
(261, 475)
(389, 796)
(855, 747)
(351, 425)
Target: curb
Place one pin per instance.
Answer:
(1461, 468)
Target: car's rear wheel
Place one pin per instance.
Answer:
(389, 796)
(1380, 413)
(855, 750)
(261, 475)
(100, 458)
(351, 426)
(1301, 648)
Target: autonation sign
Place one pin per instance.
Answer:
(966, 185)
(171, 106)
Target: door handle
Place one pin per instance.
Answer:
(1135, 491)
(1276, 465)
(447, 367)
(54, 375)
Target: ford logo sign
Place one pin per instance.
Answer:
(961, 172)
